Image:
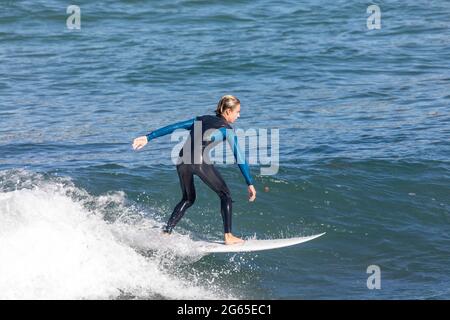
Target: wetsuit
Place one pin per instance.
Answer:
(194, 160)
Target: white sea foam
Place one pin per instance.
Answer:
(56, 244)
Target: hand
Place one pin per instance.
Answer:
(140, 142)
(251, 193)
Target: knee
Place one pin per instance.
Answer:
(189, 201)
(225, 195)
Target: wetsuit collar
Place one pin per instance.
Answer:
(221, 116)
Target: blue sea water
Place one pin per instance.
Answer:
(364, 147)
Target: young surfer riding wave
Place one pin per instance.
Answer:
(193, 160)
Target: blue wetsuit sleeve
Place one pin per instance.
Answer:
(170, 128)
(238, 155)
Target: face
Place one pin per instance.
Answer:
(231, 115)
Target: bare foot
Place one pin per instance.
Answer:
(230, 239)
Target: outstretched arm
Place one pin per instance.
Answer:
(140, 142)
(170, 128)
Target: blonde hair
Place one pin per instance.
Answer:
(227, 102)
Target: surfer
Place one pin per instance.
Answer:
(193, 160)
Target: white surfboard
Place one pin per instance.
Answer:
(252, 245)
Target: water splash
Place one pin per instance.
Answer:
(56, 244)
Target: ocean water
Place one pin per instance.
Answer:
(364, 147)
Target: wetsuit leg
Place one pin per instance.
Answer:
(186, 175)
(209, 175)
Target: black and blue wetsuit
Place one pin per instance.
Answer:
(194, 160)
